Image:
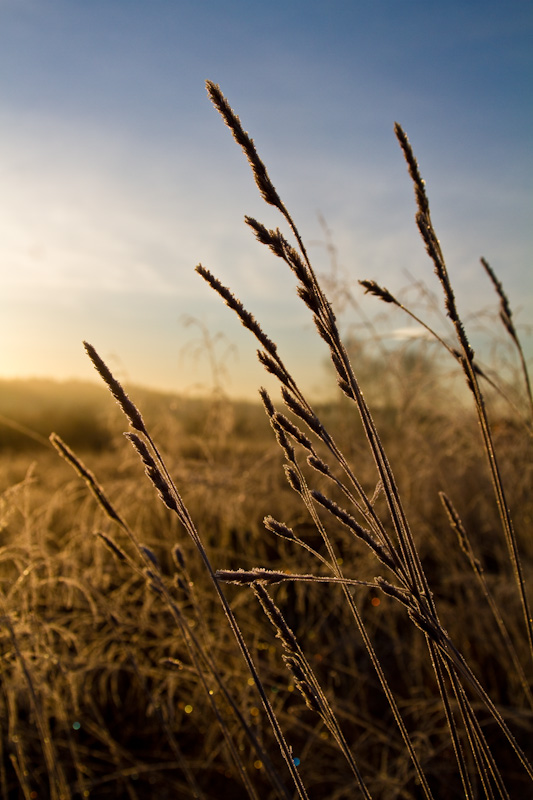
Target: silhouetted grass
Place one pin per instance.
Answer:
(338, 610)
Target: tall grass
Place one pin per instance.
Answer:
(373, 637)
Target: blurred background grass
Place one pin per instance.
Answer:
(95, 640)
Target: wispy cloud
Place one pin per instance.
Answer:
(410, 333)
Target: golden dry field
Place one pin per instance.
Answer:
(278, 599)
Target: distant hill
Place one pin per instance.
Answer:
(85, 415)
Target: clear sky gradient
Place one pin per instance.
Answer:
(118, 177)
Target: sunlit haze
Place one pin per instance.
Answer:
(118, 176)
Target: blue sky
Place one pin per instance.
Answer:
(117, 176)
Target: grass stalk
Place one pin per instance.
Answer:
(406, 564)
(433, 248)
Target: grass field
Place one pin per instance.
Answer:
(322, 602)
